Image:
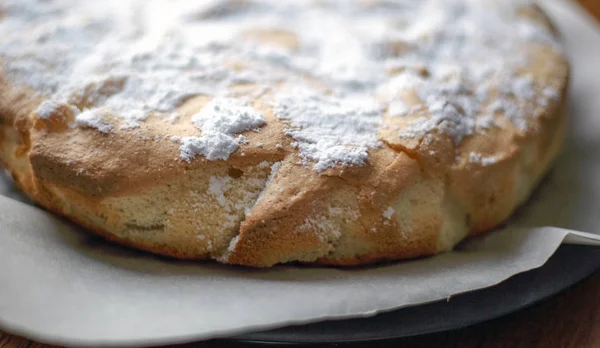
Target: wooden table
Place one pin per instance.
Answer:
(570, 319)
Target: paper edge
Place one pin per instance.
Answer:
(229, 333)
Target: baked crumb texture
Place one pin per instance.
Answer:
(265, 132)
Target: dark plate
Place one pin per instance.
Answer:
(569, 265)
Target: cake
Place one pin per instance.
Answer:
(260, 132)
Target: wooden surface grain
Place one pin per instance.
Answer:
(593, 6)
(568, 320)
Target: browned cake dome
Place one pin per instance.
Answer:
(262, 132)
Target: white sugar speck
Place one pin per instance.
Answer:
(232, 244)
(217, 186)
(482, 160)
(388, 213)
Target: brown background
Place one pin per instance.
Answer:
(571, 319)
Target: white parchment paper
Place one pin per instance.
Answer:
(62, 285)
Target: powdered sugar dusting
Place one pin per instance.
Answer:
(213, 146)
(94, 119)
(47, 109)
(330, 130)
(219, 121)
(388, 213)
(124, 61)
(484, 161)
(458, 58)
(326, 229)
(234, 206)
(233, 243)
(274, 169)
(216, 187)
(228, 116)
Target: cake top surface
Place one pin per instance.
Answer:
(340, 78)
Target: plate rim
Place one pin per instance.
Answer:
(565, 251)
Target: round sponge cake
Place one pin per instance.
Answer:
(258, 132)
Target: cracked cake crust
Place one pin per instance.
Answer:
(265, 204)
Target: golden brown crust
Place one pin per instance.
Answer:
(415, 197)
